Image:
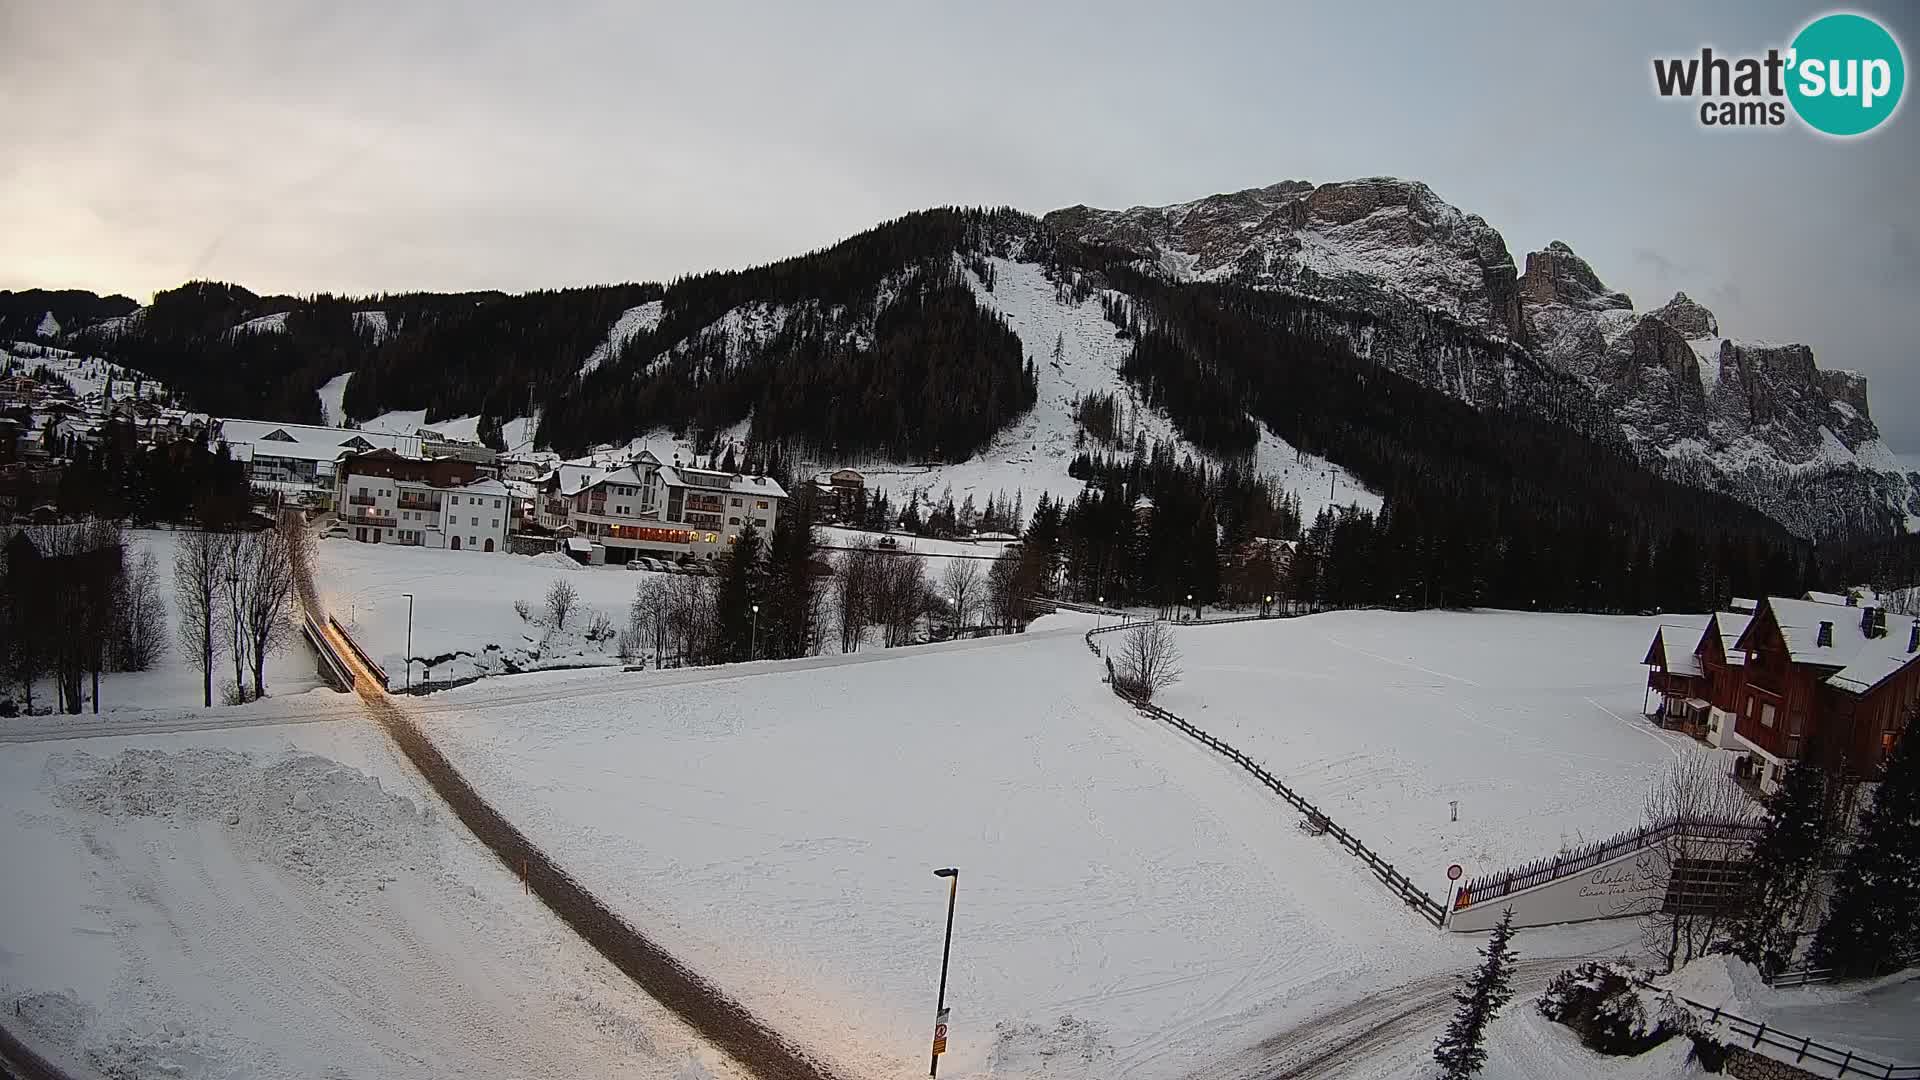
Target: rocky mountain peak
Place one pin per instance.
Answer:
(1555, 275)
(1688, 317)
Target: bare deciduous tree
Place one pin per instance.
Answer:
(142, 636)
(854, 582)
(900, 597)
(1007, 589)
(1696, 879)
(1149, 660)
(561, 600)
(962, 584)
(199, 573)
(264, 590)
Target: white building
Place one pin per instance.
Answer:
(298, 459)
(384, 498)
(646, 508)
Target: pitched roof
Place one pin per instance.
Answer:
(1730, 625)
(1675, 643)
(1861, 662)
(309, 442)
(714, 480)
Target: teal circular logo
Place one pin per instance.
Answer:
(1847, 74)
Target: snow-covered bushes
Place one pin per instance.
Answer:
(1612, 1012)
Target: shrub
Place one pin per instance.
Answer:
(1606, 1006)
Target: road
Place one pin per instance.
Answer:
(708, 1010)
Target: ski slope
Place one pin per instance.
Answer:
(1530, 721)
(290, 902)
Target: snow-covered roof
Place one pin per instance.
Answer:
(1676, 644)
(1824, 597)
(1863, 662)
(713, 480)
(572, 479)
(485, 487)
(309, 442)
(1731, 624)
(580, 544)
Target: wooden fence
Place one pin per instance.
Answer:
(1803, 1048)
(1554, 867)
(1813, 976)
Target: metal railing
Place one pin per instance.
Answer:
(1554, 867)
(335, 671)
(376, 670)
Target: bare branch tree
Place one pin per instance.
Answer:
(199, 572)
(962, 584)
(142, 630)
(266, 589)
(562, 597)
(1697, 881)
(854, 583)
(1149, 660)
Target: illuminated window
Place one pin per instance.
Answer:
(1766, 716)
(761, 505)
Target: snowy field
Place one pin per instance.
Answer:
(1128, 906)
(1531, 722)
(464, 623)
(289, 902)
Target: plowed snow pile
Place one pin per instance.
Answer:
(331, 824)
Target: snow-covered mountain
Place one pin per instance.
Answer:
(1758, 420)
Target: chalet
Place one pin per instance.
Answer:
(1674, 673)
(299, 459)
(1824, 680)
(849, 490)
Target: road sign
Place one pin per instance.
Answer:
(940, 1033)
(1453, 872)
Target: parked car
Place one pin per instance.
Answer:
(638, 564)
(888, 542)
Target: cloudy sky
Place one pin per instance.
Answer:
(360, 146)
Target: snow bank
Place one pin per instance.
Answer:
(275, 903)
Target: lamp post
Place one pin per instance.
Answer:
(952, 874)
(1196, 611)
(409, 597)
(1266, 608)
(753, 641)
(1101, 616)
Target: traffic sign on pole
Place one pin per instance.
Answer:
(940, 1034)
(1453, 872)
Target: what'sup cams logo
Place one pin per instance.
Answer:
(1842, 76)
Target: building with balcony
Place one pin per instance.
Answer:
(646, 508)
(386, 498)
(298, 460)
(1833, 680)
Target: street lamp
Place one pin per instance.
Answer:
(952, 874)
(1267, 607)
(1101, 616)
(1196, 611)
(753, 642)
(409, 597)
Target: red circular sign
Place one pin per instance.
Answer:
(1453, 872)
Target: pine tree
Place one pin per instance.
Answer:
(1462, 1049)
(1783, 869)
(1875, 915)
(740, 590)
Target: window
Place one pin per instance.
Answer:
(474, 521)
(495, 523)
(496, 504)
(736, 502)
(733, 521)
(471, 541)
(456, 500)
(760, 523)
(761, 505)
(1766, 716)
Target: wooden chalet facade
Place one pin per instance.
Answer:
(1795, 680)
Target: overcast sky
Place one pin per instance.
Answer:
(358, 147)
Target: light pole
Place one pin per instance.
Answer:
(1266, 609)
(1102, 615)
(409, 597)
(952, 874)
(753, 641)
(1196, 611)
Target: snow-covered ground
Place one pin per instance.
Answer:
(1531, 722)
(332, 393)
(290, 902)
(1128, 905)
(464, 621)
(86, 374)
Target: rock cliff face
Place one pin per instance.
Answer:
(1759, 420)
